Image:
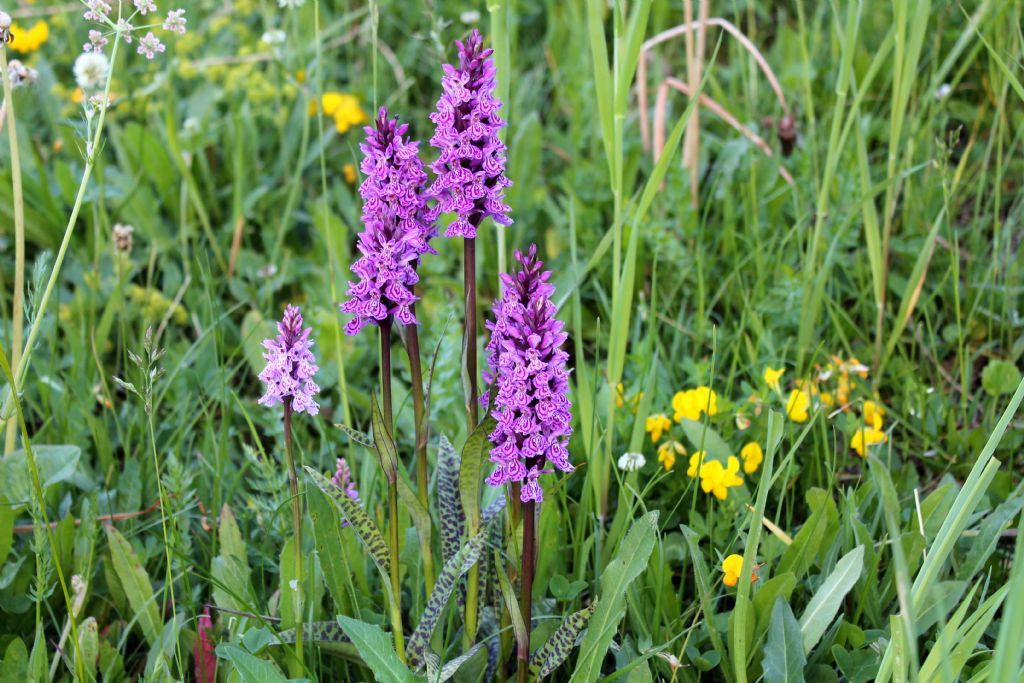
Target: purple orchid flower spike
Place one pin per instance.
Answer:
(528, 367)
(398, 227)
(471, 167)
(290, 365)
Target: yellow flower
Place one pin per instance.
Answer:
(690, 404)
(873, 414)
(300, 75)
(827, 399)
(343, 107)
(797, 405)
(621, 399)
(696, 462)
(717, 479)
(772, 377)
(732, 566)
(752, 457)
(29, 40)
(656, 425)
(619, 391)
(667, 453)
(865, 437)
(349, 171)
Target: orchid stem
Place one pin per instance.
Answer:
(422, 476)
(293, 482)
(526, 589)
(396, 582)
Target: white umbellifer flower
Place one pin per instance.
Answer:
(631, 462)
(290, 3)
(274, 36)
(91, 69)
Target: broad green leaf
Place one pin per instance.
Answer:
(364, 527)
(251, 668)
(15, 664)
(508, 594)
(449, 505)
(89, 646)
(419, 514)
(136, 584)
(556, 650)
(707, 438)
(377, 650)
(616, 578)
(816, 534)
(1000, 377)
(384, 442)
(858, 666)
(784, 650)
(474, 455)
(327, 533)
(230, 569)
(468, 555)
(56, 464)
(829, 598)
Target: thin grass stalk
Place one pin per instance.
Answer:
(21, 369)
(389, 422)
(526, 588)
(293, 483)
(18, 298)
(412, 342)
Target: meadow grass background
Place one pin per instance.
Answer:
(895, 247)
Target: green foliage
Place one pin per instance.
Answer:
(784, 657)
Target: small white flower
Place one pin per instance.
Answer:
(631, 462)
(149, 45)
(97, 41)
(97, 10)
(91, 69)
(175, 21)
(293, 4)
(125, 29)
(274, 37)
(470, 17)
(942, 92)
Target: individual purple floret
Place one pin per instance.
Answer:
(471, 168)
(290, 365)
(398, 228)
(528, 366)
(343, 480)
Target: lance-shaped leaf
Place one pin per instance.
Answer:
(383, 442)
(474, 455)
(136, 584)
(454, 568)
(784, 650)
(359, 437)
(419, 513)
(436, 673)
(327, 635)
(377, 650)
(357, 517)
(551, 655)
(453, 519)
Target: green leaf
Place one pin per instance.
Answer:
(314, 632)
(628, 564)
(252, 669)
(56, 464)
(1000, 377)
(329, 546)
(136, 584)
(858, 666)
(419, 514)
(6, 530)
(15, 664)
(357, 517)
(829, 598)
(816, 533)
(361, 438)
(784, 650)
(556, 650)
(474, 455)
(449, 505)
(459, 564)
(377, 650)
(230, 569)
(508, 594)
(713, 444)
(89, 646)
(384, 442)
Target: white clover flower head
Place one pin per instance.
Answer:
(97, 41)
(631, 462)
(293, 4)
(125, 29)
(274, 37)
(144, 6)
(91, 69)
(175, 21)
(150, 45)
(97, 102)
(97, 10)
